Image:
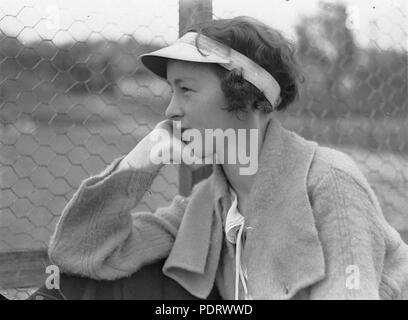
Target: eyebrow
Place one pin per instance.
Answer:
(178, 80)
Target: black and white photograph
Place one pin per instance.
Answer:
(203, 150)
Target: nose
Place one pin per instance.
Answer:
(174, 111)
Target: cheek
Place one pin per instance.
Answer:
(214, 106)
(205, 111)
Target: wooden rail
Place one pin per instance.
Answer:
(23, 269)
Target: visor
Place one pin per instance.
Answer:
(212, 51)
(156, 61)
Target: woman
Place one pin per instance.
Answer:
(304, 225)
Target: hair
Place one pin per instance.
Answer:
(265, 46)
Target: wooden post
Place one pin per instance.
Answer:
(192, 11)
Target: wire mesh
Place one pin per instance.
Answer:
(354, 96)
(72, 98)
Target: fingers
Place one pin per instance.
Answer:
(188, 155)
(184, 153)
(176, 150)
(165, 124)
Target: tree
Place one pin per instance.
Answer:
(325, 42)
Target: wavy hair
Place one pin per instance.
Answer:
(262, 44)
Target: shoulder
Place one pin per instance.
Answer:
(328, 160)
(336, 186)
(340, 193)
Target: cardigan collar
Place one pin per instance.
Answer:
(282, 250)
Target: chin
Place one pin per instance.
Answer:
(202, 154)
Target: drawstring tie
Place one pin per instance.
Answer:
(235, 221)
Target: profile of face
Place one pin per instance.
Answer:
(197, 100)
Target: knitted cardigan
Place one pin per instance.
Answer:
(316, 229)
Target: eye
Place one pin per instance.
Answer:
(185, 89)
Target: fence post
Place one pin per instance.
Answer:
(191, 11)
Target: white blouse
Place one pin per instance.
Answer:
(234, 227)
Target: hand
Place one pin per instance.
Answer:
(156, 149)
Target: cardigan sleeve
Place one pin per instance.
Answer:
(350, 229)
(97, 236)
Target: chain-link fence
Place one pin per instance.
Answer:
(355, 94)
(72, 98)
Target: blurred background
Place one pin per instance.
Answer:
(73, 98)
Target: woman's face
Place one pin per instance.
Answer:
(197, 98)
